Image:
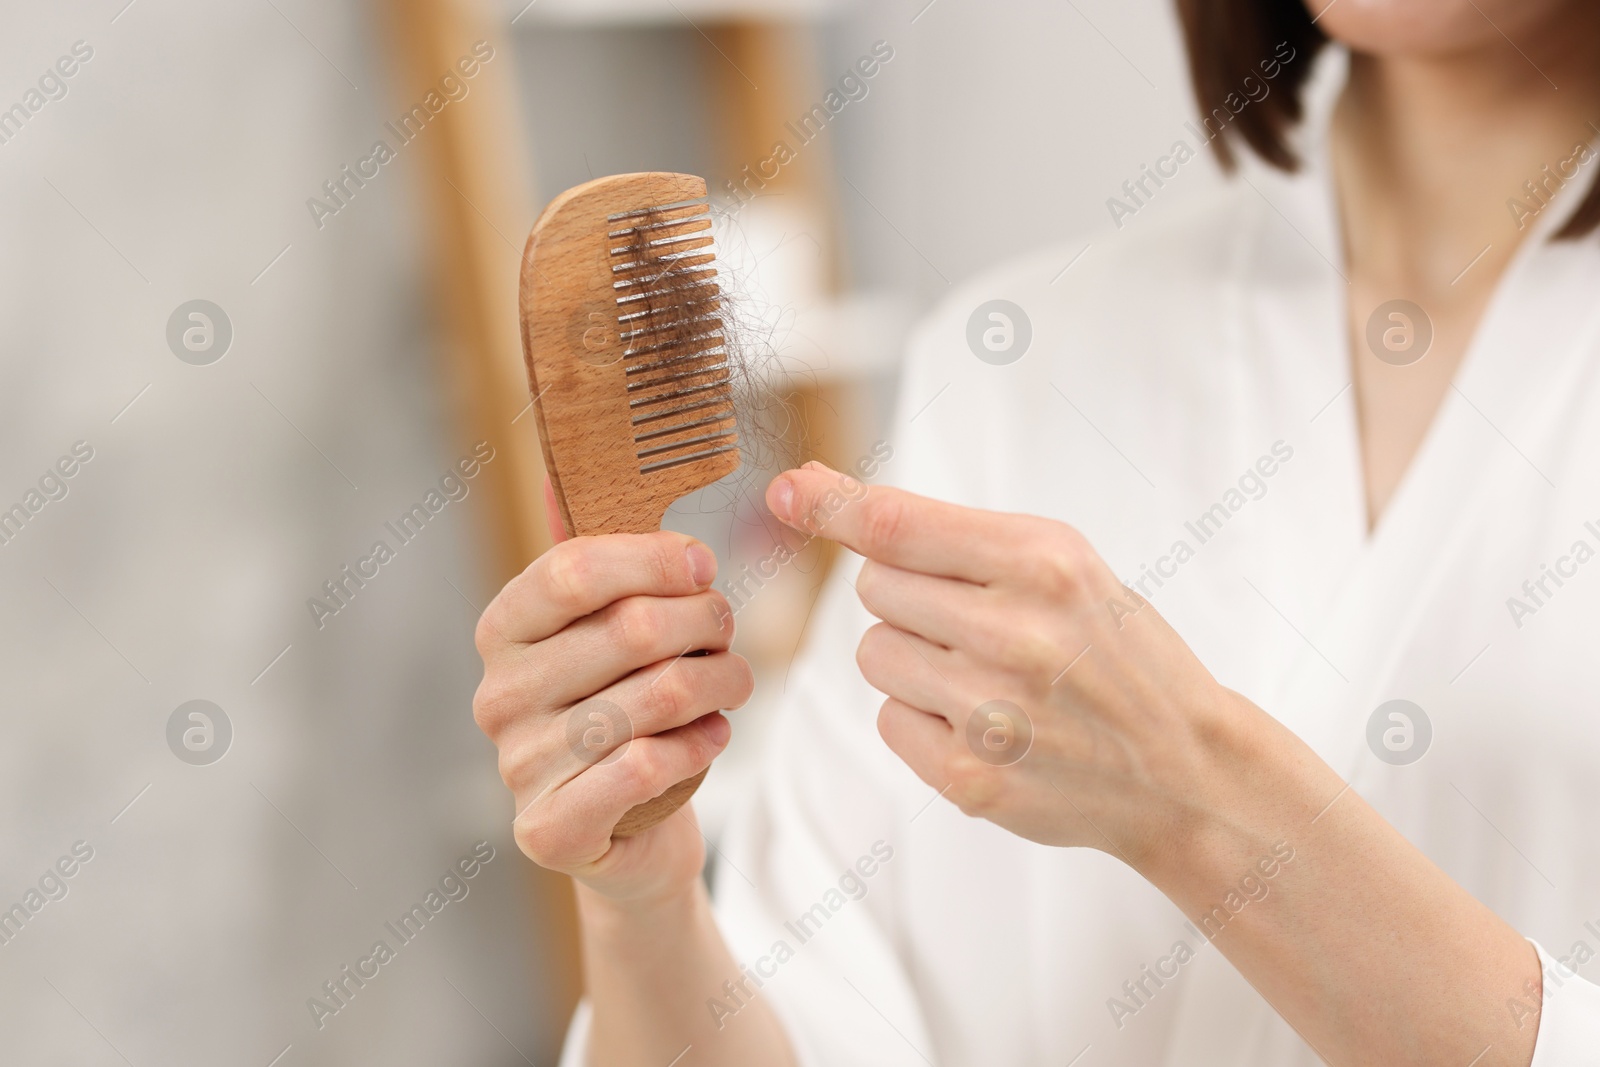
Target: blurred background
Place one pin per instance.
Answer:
(256, 340)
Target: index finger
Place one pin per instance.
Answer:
(915, 533)
(579, 576)
(552, 514)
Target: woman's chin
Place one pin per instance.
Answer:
(1420, 28)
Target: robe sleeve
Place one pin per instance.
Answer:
(1569, 1018)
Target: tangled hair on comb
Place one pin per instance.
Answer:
(700, 355)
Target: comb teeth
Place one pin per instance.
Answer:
(680, 391)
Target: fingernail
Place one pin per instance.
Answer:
(702, 564)
(783, 499)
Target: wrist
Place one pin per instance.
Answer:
(621, 917)
(1252, 793)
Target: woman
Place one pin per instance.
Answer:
(1308, 675)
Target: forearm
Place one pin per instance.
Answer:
(650, 972)
(1370, 951)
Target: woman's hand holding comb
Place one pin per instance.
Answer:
(595, 707)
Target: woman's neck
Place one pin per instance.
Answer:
(1435, 150)
(1430, 159)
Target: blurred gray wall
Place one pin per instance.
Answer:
(178, 566)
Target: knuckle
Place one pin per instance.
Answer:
(883, 518)
(1060, 565)
(518, 766)
(486, 636)
(644, 771)
(567, 575)
(554, 839)
(1023, 652)
(634, 626)
(494, 705)
(974, 786)
(540, 838)
(670, 696)
(509, 764)
(667, 562)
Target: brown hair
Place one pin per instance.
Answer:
(1231, 40)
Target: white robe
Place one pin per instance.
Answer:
(1161, 369)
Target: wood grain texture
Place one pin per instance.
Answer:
(624, 351)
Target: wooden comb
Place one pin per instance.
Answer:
(630, 379)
